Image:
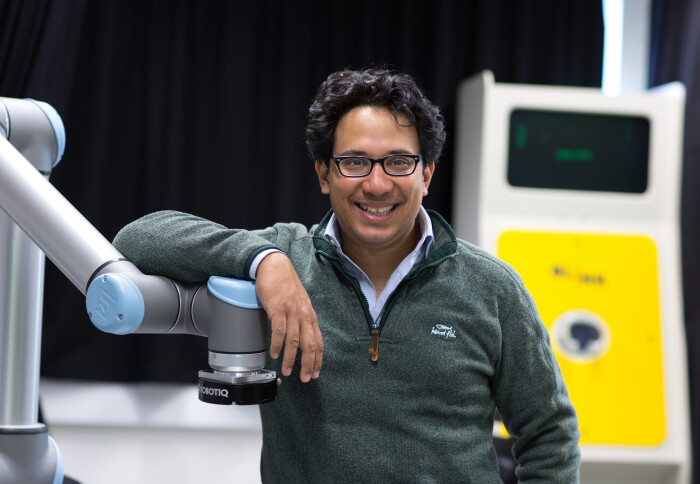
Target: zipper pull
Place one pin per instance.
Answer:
(374, 350)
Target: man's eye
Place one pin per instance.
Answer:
(399, 161)
(354, 162)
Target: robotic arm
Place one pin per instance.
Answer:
(119, 298)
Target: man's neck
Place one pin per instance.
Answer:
(379, 263)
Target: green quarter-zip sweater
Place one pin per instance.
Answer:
(458, 337)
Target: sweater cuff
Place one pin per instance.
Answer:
(258, 259)
(254, 260)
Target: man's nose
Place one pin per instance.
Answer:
(377, 182)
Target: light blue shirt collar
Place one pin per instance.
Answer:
(407, 266)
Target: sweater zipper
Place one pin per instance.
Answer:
(375, 330)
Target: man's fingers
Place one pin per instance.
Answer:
(294, 333)
(278, 326)
(291, 343)
(308, 353)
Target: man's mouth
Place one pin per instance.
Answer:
(376, 210)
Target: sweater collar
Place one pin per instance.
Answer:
(445, 238)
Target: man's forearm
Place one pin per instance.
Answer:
(188, 248)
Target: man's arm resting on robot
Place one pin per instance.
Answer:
(191, 249)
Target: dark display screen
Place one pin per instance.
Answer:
(578, 151)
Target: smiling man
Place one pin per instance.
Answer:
(376, 207)
(421, 335)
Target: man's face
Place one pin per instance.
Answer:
(376, 211)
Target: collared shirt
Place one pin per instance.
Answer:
(406, 267)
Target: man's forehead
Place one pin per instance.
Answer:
(366, 126)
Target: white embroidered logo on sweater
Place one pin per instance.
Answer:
(446, 332)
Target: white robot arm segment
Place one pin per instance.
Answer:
(120, 299)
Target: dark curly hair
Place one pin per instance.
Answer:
(395, 91)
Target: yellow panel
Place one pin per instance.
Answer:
(603, 286)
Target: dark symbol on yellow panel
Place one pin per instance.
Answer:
(580, 336)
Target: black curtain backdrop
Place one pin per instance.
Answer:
(200, 106)
(675, 56)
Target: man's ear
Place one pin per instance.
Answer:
(323, 170)
(427, 176)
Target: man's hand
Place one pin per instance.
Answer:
(291, 315)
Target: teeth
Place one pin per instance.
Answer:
(377, 211)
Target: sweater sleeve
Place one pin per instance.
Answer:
(189, 248)
(532, 398)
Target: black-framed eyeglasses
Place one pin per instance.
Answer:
(394, 165)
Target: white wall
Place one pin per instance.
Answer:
(150, 433)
